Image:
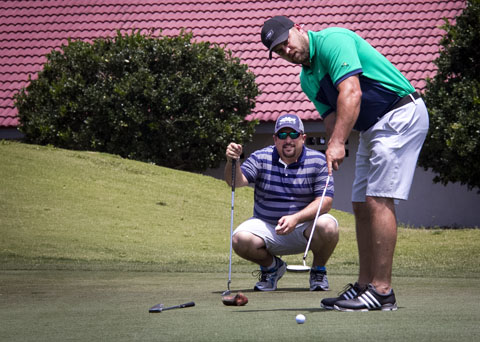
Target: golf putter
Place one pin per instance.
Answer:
(161, 307)
(227, 292)
(304, 267)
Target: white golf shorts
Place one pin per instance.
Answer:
(388, 152)
(293, 243)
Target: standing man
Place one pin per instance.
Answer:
(353, 86)
(289, 181)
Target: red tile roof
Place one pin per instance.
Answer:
(406, 31)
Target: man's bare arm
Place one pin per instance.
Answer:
(348, 108)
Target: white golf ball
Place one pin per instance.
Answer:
(300, 319)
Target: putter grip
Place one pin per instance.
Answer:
(234, 168)
(186, 305)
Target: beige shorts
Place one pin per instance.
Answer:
(293, 243)
(388, 152)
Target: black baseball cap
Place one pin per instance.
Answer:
(275, 31)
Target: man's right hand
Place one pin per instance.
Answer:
(335, 154)
(234, 151)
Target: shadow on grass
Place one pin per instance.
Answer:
(311, 310)
(281, 290)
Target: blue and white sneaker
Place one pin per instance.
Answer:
(268, 279)
(318, 280)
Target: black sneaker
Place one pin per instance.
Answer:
(350, 291)
(368, 300)
(318, 280)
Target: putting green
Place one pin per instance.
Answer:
(113, 306)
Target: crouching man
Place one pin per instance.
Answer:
(289, 181)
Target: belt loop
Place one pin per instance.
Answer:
(413, 99)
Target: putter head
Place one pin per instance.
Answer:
(156, 308)
(236, 300)
(227, 292)
(298, 268)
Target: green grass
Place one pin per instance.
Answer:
(113, 306)
(80, 207)
(89, 241)
(82, 210)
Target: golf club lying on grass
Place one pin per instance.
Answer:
(160, 307)
(304, 267)
(227, 291)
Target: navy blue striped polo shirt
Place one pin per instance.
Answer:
(282, 189)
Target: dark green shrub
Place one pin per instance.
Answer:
(452, 147)
(165, 100)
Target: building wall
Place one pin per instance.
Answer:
(10, 134)
(429, 204)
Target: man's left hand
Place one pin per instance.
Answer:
(286, 225)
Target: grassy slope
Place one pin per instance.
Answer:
(70, 209)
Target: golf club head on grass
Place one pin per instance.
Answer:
(238, 300)
(156, 308)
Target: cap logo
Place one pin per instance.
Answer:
(269, 35)
(287, 120)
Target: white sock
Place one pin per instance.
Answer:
(272, 266)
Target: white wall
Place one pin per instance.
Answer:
(433, 205)
(429, 204)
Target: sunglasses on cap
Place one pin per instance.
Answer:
(284, 135)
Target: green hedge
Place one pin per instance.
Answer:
(452, 147)
(164, 100)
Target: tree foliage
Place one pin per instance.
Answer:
(452, 147)
(165, 100)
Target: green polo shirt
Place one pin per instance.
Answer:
(338, 53)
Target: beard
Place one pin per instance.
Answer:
(301, 57)
(302, 52)
(289, 150)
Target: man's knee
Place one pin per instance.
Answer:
(237, 240)
(373, 206)
(243, 241)
(327, 229)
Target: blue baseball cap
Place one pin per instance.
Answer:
(291, 121)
